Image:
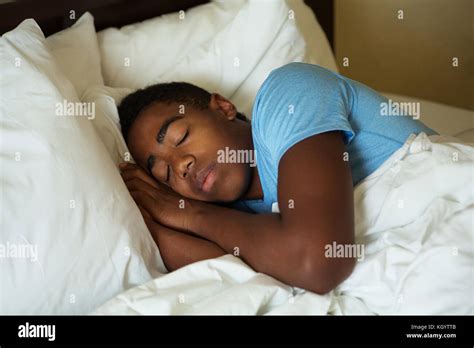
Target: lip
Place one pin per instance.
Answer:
(206, 178)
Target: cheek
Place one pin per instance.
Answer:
(213, 138)
(233, 182)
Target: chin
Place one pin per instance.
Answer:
(235, 186)
(231, 197)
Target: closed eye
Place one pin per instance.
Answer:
(149, 163)
(183, 138)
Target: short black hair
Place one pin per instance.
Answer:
(172, 92)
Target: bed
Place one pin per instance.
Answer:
(71, 231)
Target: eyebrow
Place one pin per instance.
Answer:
(160, 137)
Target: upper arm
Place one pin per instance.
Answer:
(315, 196)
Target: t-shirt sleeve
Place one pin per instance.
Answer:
(298, 101)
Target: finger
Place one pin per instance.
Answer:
(145, 201)
(145, 213)
(136, 172)
(149, 223)
(137, 184)
(131, 170)
(146, 216)
(130, 175)
(150, 204)
(126, 166)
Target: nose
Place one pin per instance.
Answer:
(184, 165)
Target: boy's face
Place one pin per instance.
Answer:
(180, 147)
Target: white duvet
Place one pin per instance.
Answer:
(414, 216)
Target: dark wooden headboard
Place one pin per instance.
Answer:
(54, 15)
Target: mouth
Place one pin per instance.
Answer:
(206, 178)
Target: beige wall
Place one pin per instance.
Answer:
(412, 56)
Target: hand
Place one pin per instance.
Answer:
(155, 200)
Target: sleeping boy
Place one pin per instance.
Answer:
(313, 136)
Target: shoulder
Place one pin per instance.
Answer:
(295, 81)
(302, 73)
(294, 85)
(296, 101)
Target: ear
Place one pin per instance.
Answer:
(225, 106)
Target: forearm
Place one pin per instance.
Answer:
(261, 240)
(290, 252)
(179, 249)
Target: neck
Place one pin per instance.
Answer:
(254, 190)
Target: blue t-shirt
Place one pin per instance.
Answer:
(300, 100)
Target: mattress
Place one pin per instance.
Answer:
(444, 119)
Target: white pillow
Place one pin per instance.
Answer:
(233, 56)
(77, 53)
(107, 121)
(63, 202)
(151, 47)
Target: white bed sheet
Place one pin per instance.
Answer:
(414, 216)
